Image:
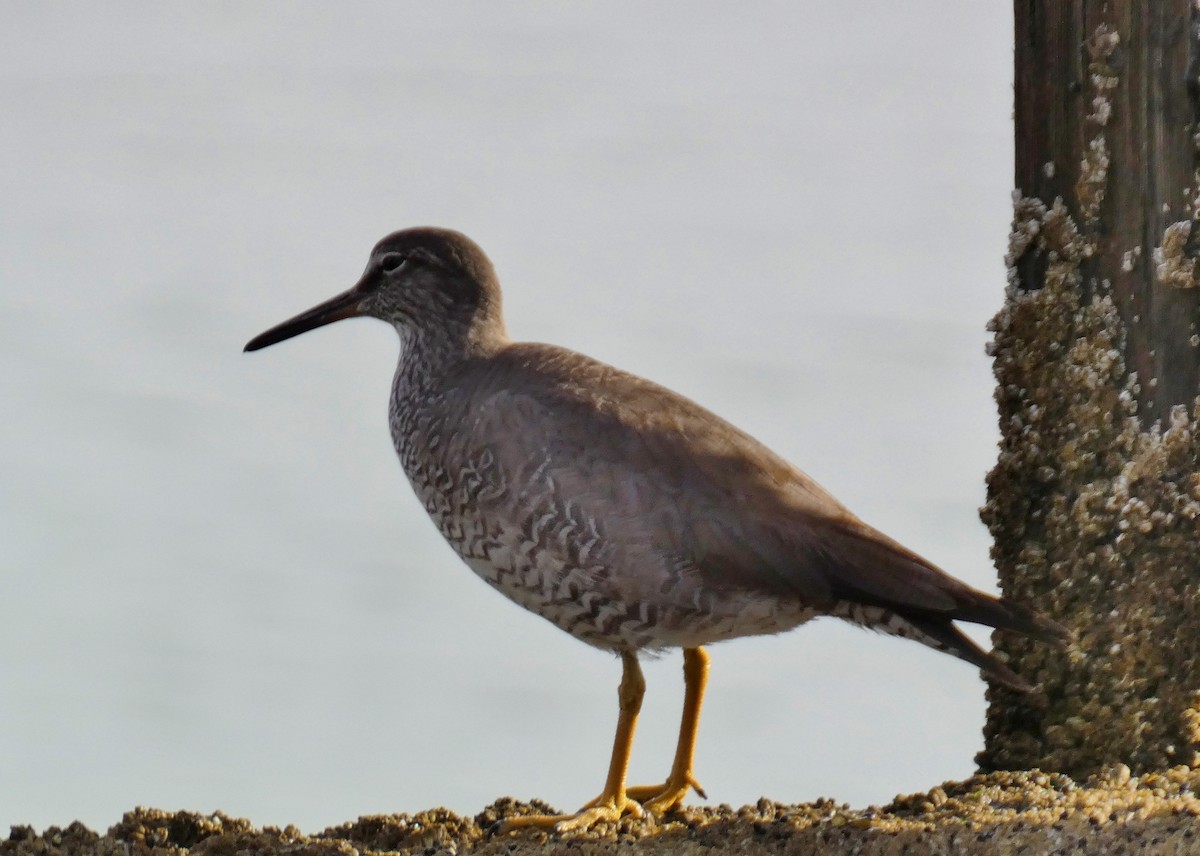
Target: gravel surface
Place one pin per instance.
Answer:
(1005, 812)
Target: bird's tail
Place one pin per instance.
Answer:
(898, 592)
(1002, 614)
(944, 636)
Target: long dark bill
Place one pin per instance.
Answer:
(345, 305)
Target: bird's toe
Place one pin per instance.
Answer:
(606, 808)
(660, 799)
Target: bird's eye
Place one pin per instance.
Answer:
(392, 261)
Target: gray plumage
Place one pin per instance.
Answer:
(622, 512)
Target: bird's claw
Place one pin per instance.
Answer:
(604, 808)
(600, 810)
(660, 799)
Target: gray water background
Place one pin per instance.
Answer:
(216, 589)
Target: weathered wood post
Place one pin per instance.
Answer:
(1094, 503)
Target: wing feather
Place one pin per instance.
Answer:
(669, 480)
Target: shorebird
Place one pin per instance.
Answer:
(622, 512)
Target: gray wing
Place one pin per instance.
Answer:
(661, 478)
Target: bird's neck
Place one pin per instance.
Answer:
(428, 357)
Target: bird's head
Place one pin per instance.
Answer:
(422, 280)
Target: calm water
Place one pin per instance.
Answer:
(216, 588)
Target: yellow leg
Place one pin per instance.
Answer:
(613, 803)
(659, 799)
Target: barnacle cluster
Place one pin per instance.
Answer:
(1095, 518)
(1172, 264)
(1093, 169)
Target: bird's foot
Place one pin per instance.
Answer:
(604, 808)
(660, 799)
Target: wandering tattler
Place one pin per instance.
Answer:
(620, 511)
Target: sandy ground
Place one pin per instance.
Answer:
(1025, 812)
